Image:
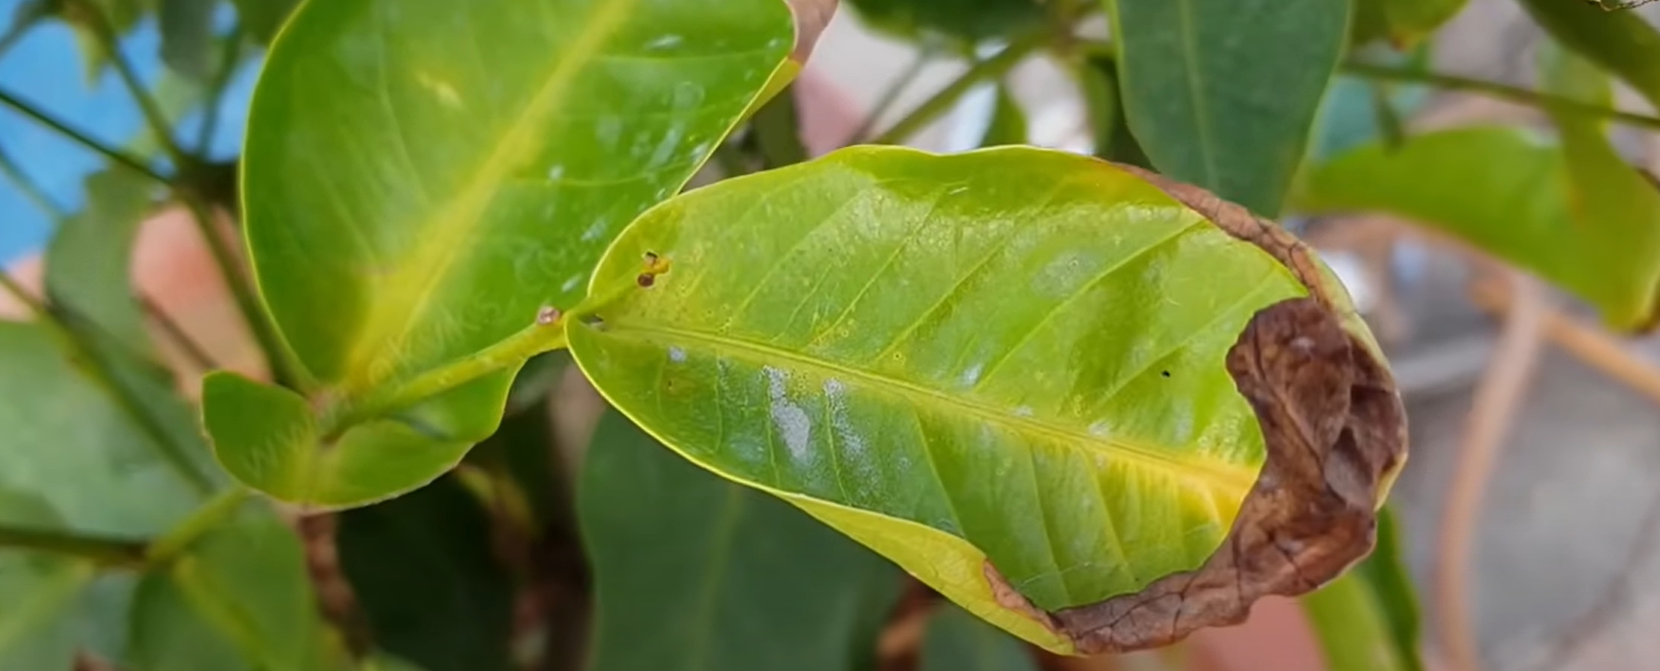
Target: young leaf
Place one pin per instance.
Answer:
(237, 599)
(958, 641)
(721, 576)
(187, 37)
(67, 440)
(1582, 222)
(1221, 93)
(420, 180)
(1008, 122)
(422, 567)
(1622, 43)
(1004, 370)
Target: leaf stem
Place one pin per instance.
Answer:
(216, 91)
(103, 375)
(101, 550)
(36, 195)
(1513, 94)
(204, 518)
(284, 369)
(891, 94)
(939, 103)
(192, 350)
(79, 137)
(146, 104)
(545, 335)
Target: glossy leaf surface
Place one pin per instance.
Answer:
(1518, 196)
(1622, 43)
(722, 576)
(958, 641)
(1012, 353)
(1221, 93)
(423, 571)
(419, 180)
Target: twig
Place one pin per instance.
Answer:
(284, 370)
(79, 137)
(30, 189)
(192, 350)
(1497, 398)
(124, 69)
(101, 550)
(216, 91)
(939, 103)
(1513, 94)
(890, 95)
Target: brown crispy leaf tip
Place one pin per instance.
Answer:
(1335, 432)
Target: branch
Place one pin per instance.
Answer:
(947, 97)
(101, 550)
(1496, 90)
(890, 95)
(1497, 398)
(146, 105)
(284, 370)
(79, 137)
(216, 91)
(30, 189)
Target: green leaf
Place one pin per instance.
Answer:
(187, 37)
(423, 569)
(951, 359)
(89, 260)
(1356, 111)
(262, 18)
(693, 572)
(1222, 93)
(238, 598)
(1008, 122)
(37, 592)
(1564, 211)
(275, 444)
(958, 641)
(1622, 43)
(963, 23)
(1352, 631)
(1403, 22)
(1385, 576)
(1098, 81)
(69, 442)
(420, 180)
(777, 132)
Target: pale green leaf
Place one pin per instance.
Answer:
(722, 576)
(1221, 93)
(1014, 354)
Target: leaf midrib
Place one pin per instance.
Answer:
(1229, 478)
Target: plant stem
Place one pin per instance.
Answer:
(216, 91)
(990, 68)
(79, 137)
(1501, 91)
(101, 550)
(104, 376)
(30, 189)
(146, 104)
(193, 350)
(890, 95)
(541, 336)
(208, 516)
(284, 370)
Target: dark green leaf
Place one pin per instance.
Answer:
(423, 569)
(187, 37)
(238, 598)
(1098, 79)
(1008, 122)
(958, 641)
(1222, 93)
(262, 18)
(1622, 43)
(694, 572)
(964, 23)
(1385, 575)
(777, 131)
(89, 261)
(421, 179)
